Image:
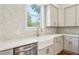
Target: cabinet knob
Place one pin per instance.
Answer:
(56, 41)
(59, 42)
(54, 23)
(70, 42)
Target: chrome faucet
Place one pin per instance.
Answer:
(39, 29)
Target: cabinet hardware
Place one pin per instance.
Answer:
(59, 42)
(70, 42)
(54, 23)
(47, 50)
(56, 41)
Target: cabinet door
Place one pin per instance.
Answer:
(66, 43)
(61, 17)
(51, 50)
(48, 14)
(71, 44)
(7, 52)
(47, 51)
(69, 16)
(75, 45)
(54, 16)
(58, 45)
(51, 15)
(1, 16)
(77, 11)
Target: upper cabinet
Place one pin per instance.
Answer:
(61, 17)
(54, 16)
(70, 16)
(64, 16)
(48, 13)
(51, 15)
(77, 19)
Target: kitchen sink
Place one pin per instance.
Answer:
(44, 41)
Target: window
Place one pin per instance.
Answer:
(33, 15)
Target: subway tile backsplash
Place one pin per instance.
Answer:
(12, 23)
(68, 30)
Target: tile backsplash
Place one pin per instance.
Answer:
(12, 22)
(12, 19)
(68, 30)
(51, 30)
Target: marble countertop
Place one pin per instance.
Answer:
(76, 35)
(9, 44)
(12, 43)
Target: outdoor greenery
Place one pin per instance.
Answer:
(36, 9)
(29, 21)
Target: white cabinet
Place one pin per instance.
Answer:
(7, 52)
(64, 16)
(46, 51)
(77, 11)
(70, 16)
(71, 44)
(54, 49)
(54, 16)
(61, 17)
(58, 46)
(48, 13)
(51, 15)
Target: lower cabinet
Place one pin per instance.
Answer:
(54, 49)
(58, 46)
(46, 51)
(68, 43)
(71, 44)
(7, 52)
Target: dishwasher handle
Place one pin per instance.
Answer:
(27, 49)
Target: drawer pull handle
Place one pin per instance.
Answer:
(47, 50)
(70, 42)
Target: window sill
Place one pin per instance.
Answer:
(31, 27)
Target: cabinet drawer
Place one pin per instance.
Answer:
(7, 52)
(58, 40)
(69, 37)
(46, 51)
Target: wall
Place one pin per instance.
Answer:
(12, 23)
(11, 20)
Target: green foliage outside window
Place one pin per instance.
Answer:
(29, 21)
(33, 17)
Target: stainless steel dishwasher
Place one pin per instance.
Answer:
(30, 49)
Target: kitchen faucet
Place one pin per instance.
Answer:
(39, 29)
